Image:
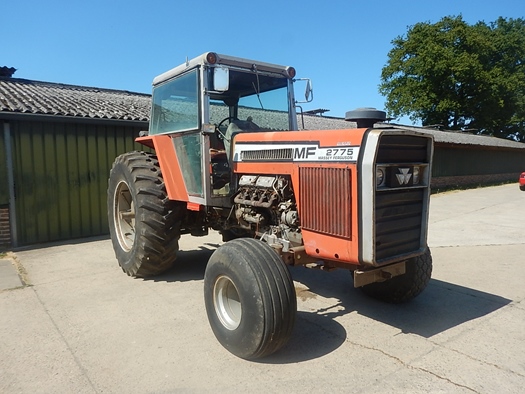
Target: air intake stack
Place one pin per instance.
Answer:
(365, 117)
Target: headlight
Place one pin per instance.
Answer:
(415, 174)
(380, 176)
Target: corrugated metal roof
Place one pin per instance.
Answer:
(440, 136)
(462, 138)
(313, 122)
(44, 98)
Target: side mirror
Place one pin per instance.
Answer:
(308, 91)
(221, 79)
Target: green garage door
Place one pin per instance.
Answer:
(60, 172)
(4, 190)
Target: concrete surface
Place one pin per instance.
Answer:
(82, 326)
(9, 278)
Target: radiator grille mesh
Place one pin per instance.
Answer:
(325, 197)
(267, 154)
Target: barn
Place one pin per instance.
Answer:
(57, 144)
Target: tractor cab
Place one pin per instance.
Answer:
(203, 103)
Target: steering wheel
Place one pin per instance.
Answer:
(220, 134)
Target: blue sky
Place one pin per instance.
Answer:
(341, 44)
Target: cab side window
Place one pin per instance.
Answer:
(176, 105)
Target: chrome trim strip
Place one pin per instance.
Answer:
(367, 187)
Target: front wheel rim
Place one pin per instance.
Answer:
(227, 303)
(124, 216)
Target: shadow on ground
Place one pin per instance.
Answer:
(189, 266)
(73, 241)
(315, 335)
(440, 307)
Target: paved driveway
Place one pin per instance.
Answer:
(83, 326)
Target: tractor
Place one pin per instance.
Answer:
(224, 152)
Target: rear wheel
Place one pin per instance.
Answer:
(143, 223)
(250, 298)
(404, 287)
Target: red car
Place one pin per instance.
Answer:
(522, 181)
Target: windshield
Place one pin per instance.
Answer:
(262, 99)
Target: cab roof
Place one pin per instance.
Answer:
(213, 58)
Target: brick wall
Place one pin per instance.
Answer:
(5, 230)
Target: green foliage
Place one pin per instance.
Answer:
(460, 76)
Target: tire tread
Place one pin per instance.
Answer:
(157, 219)
(405, 287)
(259, 269)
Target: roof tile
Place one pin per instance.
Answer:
(45, 98)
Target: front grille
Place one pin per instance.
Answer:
(400, 212)
(402, 149)
(398, 217)
(326, 200)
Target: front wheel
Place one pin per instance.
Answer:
(250, 298)
(404, 287)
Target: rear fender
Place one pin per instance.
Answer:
(169, 165)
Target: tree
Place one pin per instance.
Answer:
(460, 76)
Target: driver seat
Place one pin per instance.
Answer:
(238, 126)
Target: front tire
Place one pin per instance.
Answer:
(404, 287)
(143, 223)
(250, 298)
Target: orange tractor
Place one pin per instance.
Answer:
(229, 156)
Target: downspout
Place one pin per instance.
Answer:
(10, 184)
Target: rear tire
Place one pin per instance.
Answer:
(250, 298)
(404, 287)
(143, 223)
